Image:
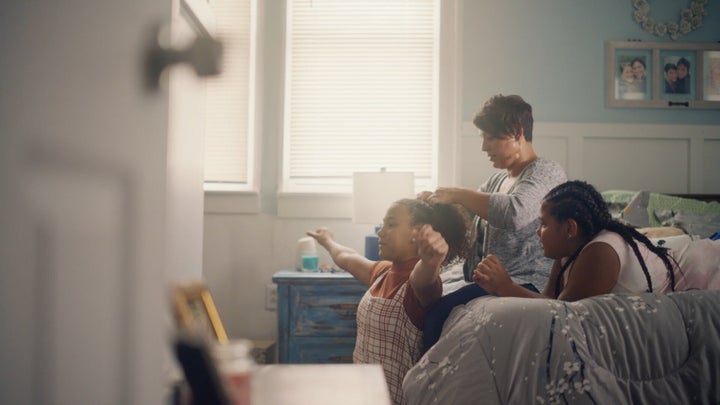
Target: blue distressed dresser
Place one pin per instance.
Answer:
(316, 316)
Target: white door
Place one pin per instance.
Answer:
(185, 197)
(83, 212)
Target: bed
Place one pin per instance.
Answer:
(644, 348)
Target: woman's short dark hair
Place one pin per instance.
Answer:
(503, 116)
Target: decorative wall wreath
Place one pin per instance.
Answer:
(690, 19)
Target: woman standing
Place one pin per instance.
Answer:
(508, 203)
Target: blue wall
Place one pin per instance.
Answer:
(552, 52)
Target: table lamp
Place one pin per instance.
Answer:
(373, 192)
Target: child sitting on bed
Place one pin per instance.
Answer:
(593, 253)
(415, 240)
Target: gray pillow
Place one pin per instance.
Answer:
(636, 212)
(693, 223)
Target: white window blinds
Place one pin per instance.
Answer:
(228, 123)
(360, 91)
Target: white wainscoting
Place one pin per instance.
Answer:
(661, 158)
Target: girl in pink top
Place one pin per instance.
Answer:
(593, 253)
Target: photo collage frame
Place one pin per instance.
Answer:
(673, 75)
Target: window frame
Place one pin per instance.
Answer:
(244, 198)
(339, 205)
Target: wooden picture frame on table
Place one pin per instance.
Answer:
(670, 75)
(195, 311)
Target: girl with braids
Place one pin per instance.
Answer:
(593, 254)
(415, 240)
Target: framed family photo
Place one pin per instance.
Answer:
(711, 76)
(677, 80)
(631, 75)
(663, 74)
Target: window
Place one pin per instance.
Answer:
(229, 116)
(361, 91)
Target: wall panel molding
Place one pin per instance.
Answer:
(664, 158)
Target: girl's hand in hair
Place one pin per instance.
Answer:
(425, 277)
(432, 248)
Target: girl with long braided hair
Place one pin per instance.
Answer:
(593, 253)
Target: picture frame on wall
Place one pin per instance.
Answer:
(677, 83)
(632, 78)
(711, 76)
(663, 75)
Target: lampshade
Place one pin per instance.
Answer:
(373, 192)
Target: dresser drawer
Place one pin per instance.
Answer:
(322, 350)
(319, 310)
(316, 316)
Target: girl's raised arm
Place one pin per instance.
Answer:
(346, 258)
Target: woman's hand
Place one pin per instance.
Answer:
(443, 195)
(492, 276)
(424, 195)
(322, 235)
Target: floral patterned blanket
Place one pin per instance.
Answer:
(611, 349)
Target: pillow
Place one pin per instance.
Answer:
(661, 231)
(675, 243)
(632, 203)
(636, 212)
(693, 223)
(677, 204)
(629, 207)
(617, 200)
(618, 196)
(616, 209)
(699, 262)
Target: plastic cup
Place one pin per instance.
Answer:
(310, 263)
